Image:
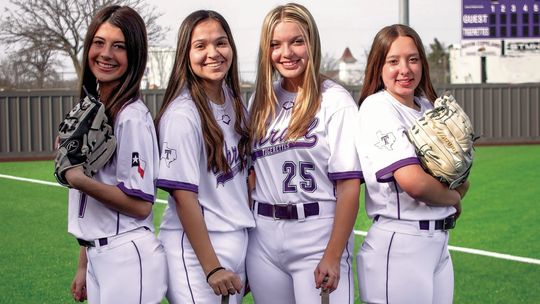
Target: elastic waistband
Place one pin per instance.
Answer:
(116, 239)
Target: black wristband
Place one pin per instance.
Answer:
(213, 271)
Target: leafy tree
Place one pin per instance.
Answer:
(61, 25)
(438, 59)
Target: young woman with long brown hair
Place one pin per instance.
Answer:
(110, 214)
(404, 257)
(203, 135)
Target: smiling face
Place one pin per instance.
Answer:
(107, 56)
(289, 54)
(210, 54)
(402, 70)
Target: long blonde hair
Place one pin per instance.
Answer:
(183, 76)
(308, 99)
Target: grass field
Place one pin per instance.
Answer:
(500, 214)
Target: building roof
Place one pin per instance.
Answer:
(347, 56)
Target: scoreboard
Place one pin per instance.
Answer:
(500, 19)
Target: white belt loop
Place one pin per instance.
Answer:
(300, 211)
(431, 228)
(97, 245)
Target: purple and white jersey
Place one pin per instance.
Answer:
(222, 196)
(133, 169)
(305, 169)
(383, 147)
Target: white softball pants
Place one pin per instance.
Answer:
(187, 281)
(130, 269)
(399, 263)
(282, 257)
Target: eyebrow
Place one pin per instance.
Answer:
(408, 55)
(292, 39)
(116, 41)
(204, 39)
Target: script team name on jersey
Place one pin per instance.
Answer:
(233, 159)
(275, 141)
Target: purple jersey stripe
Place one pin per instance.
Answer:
(387, 174)
(136, 193)
(346, 175)
(169, 186)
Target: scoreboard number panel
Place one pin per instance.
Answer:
(500, 19)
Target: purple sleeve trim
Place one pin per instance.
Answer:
(169, 186)
(346, 175)
(136, 193)
(387, 174)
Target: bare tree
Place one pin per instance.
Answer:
(38, 62)
(329, 63)
(11, 73)
(63, 23)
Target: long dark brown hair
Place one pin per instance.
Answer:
(377, 56)
(134, 30)
(182, 76)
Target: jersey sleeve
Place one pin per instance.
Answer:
(181, 149)
(343, 162)
(136, 169)
(384, 139)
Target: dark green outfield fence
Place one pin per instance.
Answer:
(501, 114)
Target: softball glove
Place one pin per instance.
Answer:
(443, 138)
(85, 139)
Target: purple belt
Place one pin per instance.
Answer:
(444, 224)
(85, 243)
(102, 241)
(286, 212)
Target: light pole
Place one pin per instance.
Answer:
(404, 12)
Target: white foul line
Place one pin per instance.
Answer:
(357, 232)
(495, 255)
(481, 252)
(35, 181)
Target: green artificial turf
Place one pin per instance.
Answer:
(500, 214)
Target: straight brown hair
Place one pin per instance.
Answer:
(182, 76)
(134, 30)
(377, 57)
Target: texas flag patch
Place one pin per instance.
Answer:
(136, 161)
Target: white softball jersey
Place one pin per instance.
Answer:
(283, 253)
(383, 148)
(222, 196)
(305, 170)
(133, 169)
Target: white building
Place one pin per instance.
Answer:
(510, 61)
(350, 69)
(159, 67)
